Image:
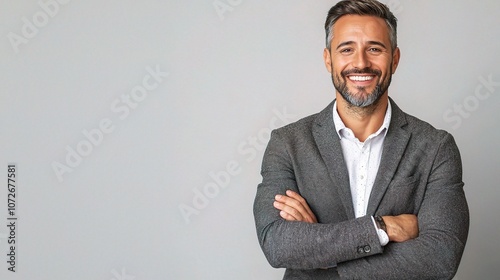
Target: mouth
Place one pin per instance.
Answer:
(361, 80)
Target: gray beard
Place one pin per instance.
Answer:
(360, 100)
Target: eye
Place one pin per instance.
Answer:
(346, 51)
(374, 50)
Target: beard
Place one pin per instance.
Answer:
(361, 98)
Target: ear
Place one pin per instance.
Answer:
(395, 59)
(328, 60)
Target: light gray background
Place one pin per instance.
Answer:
(232, 75)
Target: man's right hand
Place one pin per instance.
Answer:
(294, 207)
(401, 228)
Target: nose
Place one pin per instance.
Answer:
(361, 60)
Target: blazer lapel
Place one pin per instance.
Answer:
(395, 144)
(328, 143)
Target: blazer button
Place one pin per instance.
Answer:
(367, 249)
(361, 250)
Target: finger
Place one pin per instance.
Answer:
(278, 205)
(298, 202)
(304, 204)
(287, 201)
(287, 216)
(292, 202)
(297, 215)
(295, 195)
(299, 198)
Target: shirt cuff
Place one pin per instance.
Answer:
(382, 235)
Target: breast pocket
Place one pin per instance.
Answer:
(403, 196)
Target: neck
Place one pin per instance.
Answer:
(362, 121)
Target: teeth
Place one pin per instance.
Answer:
(361, 78)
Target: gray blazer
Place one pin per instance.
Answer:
(420, 173)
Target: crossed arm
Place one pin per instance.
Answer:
(294, 207)
(430, 248)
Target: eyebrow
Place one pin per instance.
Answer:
(369, 42)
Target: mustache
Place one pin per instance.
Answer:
(362, 71)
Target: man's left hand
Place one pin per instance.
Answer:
(294, 207)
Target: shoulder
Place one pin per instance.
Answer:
(423, 137)
(295, 135)
(415, 126)
(422, 129)
(307, 125)
(302, 125)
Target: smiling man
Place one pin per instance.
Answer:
(362, 190)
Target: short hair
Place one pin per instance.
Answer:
(362, 8)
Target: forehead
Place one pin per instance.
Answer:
(355, 28)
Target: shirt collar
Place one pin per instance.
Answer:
(340, 126)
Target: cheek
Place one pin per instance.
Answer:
(339, 61)
(386, 67)
(338, 67)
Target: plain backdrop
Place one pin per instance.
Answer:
(138, 127)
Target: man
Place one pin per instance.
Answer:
(362, 190)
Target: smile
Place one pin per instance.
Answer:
(361, 78)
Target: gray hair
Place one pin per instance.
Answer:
(362, 8)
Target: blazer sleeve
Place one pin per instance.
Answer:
(301, 245)
(443, 220)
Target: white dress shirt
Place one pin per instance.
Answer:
(362, 160)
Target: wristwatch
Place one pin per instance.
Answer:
(380, 223)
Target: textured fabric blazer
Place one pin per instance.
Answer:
(420, 173)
